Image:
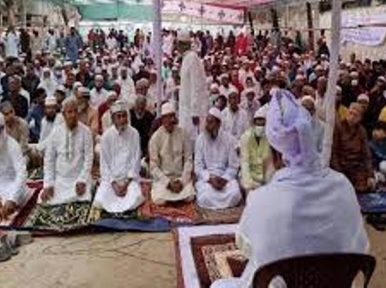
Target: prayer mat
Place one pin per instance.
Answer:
(58, 218)
(372, 202)
(223, 216)
(205, 254)
(178, 212)
(26, 206)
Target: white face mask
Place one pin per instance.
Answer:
(354, 82)
(259, 131)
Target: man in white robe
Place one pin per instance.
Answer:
(68, 160)
(11, 43)
(127, 86)
(171, 160)
(98, 93)
(13, 173)
(120, 157)
(47, 82)
(194, 94)
(51, 119)
(216, 166)
(235, 118)
(305, 209)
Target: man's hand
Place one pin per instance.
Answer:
(217, 183)
(196, 121)
(222, 182)
(47, 194)
(371, 183)
(175, 186)
(80, 188)
(8, 209)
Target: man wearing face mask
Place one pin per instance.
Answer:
(13, 173)
(120, 156)
(171, 160)
(255, 154)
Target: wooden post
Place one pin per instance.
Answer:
(310, 26)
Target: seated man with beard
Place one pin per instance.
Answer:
(216, 166)
(120, 155)
(305, 209)
(13, 173)
(68, 160)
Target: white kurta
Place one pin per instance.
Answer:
(127, 90)
(299, 212)
(68, 160)
(46, 129)
(170, 159)
(11, 42)
(235, 123)
(98, 97)
(120, 158)
(216, 157)
(13, 173)
(194, 95)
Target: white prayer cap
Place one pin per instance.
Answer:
(50, 101)
(215, 112)
(119, 106)
(338, 89)
(67, 63)
(249, 90)
(167, 108)
(224, 75)
(276, 69)
(58, 64)
(381, 78)
(258, 69)
(2, 120)
(354, 74)
(175, 68)
(98, 77)
(77, 84)
(84, 92)
(261, 112)
(363, 97)
(233, 90)
(308, 98)
(214, 86)
(319, 68)
(98, 70)
(183, 36)
(142, 83)
(46, 69)
(299, 77)
(61, 88)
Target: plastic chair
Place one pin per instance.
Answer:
(317, 271)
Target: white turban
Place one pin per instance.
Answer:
(215, 112)
(61, 88)
(308, 98)
(50, 101)
(167, 108)
(98, 77)
(289, 131)
(363, 97)
(119, 106)
(261, 112)
(183, 36)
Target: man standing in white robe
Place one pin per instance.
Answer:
(68, 160)
(13, 173)
(171, 161)
(11, 43)
(120, 162)
(193, 96)
(216, 166)
(304, 209)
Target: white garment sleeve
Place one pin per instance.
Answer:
(155, 164)
(199, 162)
(105, 156)
(19, 165)
(85, 174)
(233, 161)
(136, 161)
(49, 162)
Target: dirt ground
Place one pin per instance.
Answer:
(120, 260)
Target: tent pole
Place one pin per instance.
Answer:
(332, 80)
(157, 46)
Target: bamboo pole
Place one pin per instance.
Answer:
(157, 46)
(332, 80)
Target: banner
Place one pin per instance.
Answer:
(210, 12)
(368, 36)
